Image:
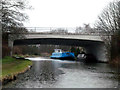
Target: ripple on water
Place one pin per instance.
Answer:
(49, 73)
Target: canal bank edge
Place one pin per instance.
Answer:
(11, 77)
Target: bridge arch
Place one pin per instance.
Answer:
(97, 48)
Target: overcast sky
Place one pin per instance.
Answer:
(64, 13)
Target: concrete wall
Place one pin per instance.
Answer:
(99, 51)
(65, 36)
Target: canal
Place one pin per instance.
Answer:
(49, 73)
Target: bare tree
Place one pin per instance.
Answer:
(59, 31)
(78, 30)
(109, 23)
(86, 29)
(13, 17)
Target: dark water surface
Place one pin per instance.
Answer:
(48, 73)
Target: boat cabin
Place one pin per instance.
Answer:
(57, 50)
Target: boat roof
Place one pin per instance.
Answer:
(57, 49)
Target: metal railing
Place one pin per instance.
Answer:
(65, 30)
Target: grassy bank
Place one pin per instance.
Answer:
(25, 56)
(11, 67)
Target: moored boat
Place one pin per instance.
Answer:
(87, 58)
(59, 54)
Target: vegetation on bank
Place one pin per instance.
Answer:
(108, 23)
(25, 56)
(115, 62)
(11, 67)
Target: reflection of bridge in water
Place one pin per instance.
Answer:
(91, 42)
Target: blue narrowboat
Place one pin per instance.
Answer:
(59, 54)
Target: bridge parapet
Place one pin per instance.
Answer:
(65, 30)
(65, 36)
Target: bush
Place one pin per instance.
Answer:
(5, 51)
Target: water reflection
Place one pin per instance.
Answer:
(47, 73)
(44, 69)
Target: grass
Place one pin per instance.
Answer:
(12, 66)
(24, 56)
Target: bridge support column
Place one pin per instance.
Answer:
(10, 44)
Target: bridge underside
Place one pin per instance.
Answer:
(96, 48)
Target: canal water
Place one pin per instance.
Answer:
(50, 73)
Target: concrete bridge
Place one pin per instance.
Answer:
(92, 43)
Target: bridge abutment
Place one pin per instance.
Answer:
(99, 51)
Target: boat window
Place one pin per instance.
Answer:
(57, 50)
